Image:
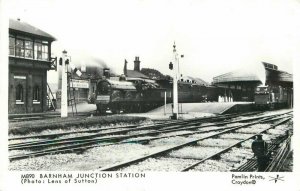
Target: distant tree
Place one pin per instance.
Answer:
(152, 73)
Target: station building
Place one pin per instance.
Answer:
(29, 61)
(240, 85)
(136, 73)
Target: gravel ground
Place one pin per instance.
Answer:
(209, 128)
(239, 136)
(74, 129)
(137, 139)
(217, 142)
(195, 152)
(204, 124)
(175, 133)
(22, 141)
(254, 128)
(47, 162)
(237, 155)
(138, 132)
(75, 135)
(202, 135)
(161, 164)
(147, 122)
(18, 152)
(276, 131)
(234, 124)
(269, 137)
(170, 141)
(284, 127)
(247, 144)
(213, 166)
(104, 156)
(92, 159)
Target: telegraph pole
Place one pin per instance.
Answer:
(64, 93)
(175, 83)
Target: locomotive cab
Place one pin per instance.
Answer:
(262, 97)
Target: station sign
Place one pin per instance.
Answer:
(79, 84)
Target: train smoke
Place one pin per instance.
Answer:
(253, 70)
(92, 65)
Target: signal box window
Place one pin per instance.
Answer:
(19, 94)
(36, 95)
(45, 50)
(12, 42)
(41, 50)
(24, 48)
(38, 50)
(28, 49)
(20, 48)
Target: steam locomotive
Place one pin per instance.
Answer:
(142, 95)
(127, 96)
(271, 97)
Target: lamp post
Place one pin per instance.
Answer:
(64, 93)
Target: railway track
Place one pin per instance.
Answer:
(157, 125)
(40, 116)
(167, 126)
(170, 154)
(79, 144)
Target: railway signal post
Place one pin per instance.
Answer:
(175, 83)
(64, 93)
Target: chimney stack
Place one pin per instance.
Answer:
(137, 64)
(125, 68)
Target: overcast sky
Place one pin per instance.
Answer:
(216, 36)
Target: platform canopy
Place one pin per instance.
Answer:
(268, 73)
(237, 75)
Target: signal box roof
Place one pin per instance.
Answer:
(27, 29)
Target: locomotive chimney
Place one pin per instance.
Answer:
(137, 64)
(106, 73)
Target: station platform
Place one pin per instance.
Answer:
(81, 107)
(195, 110)
(186, 110)
(210, 107)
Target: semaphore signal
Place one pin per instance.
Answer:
(73, 67)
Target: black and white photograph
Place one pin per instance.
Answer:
(149, 95)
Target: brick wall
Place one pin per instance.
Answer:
(28, 78)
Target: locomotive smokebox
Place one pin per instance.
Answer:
(106, 73)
